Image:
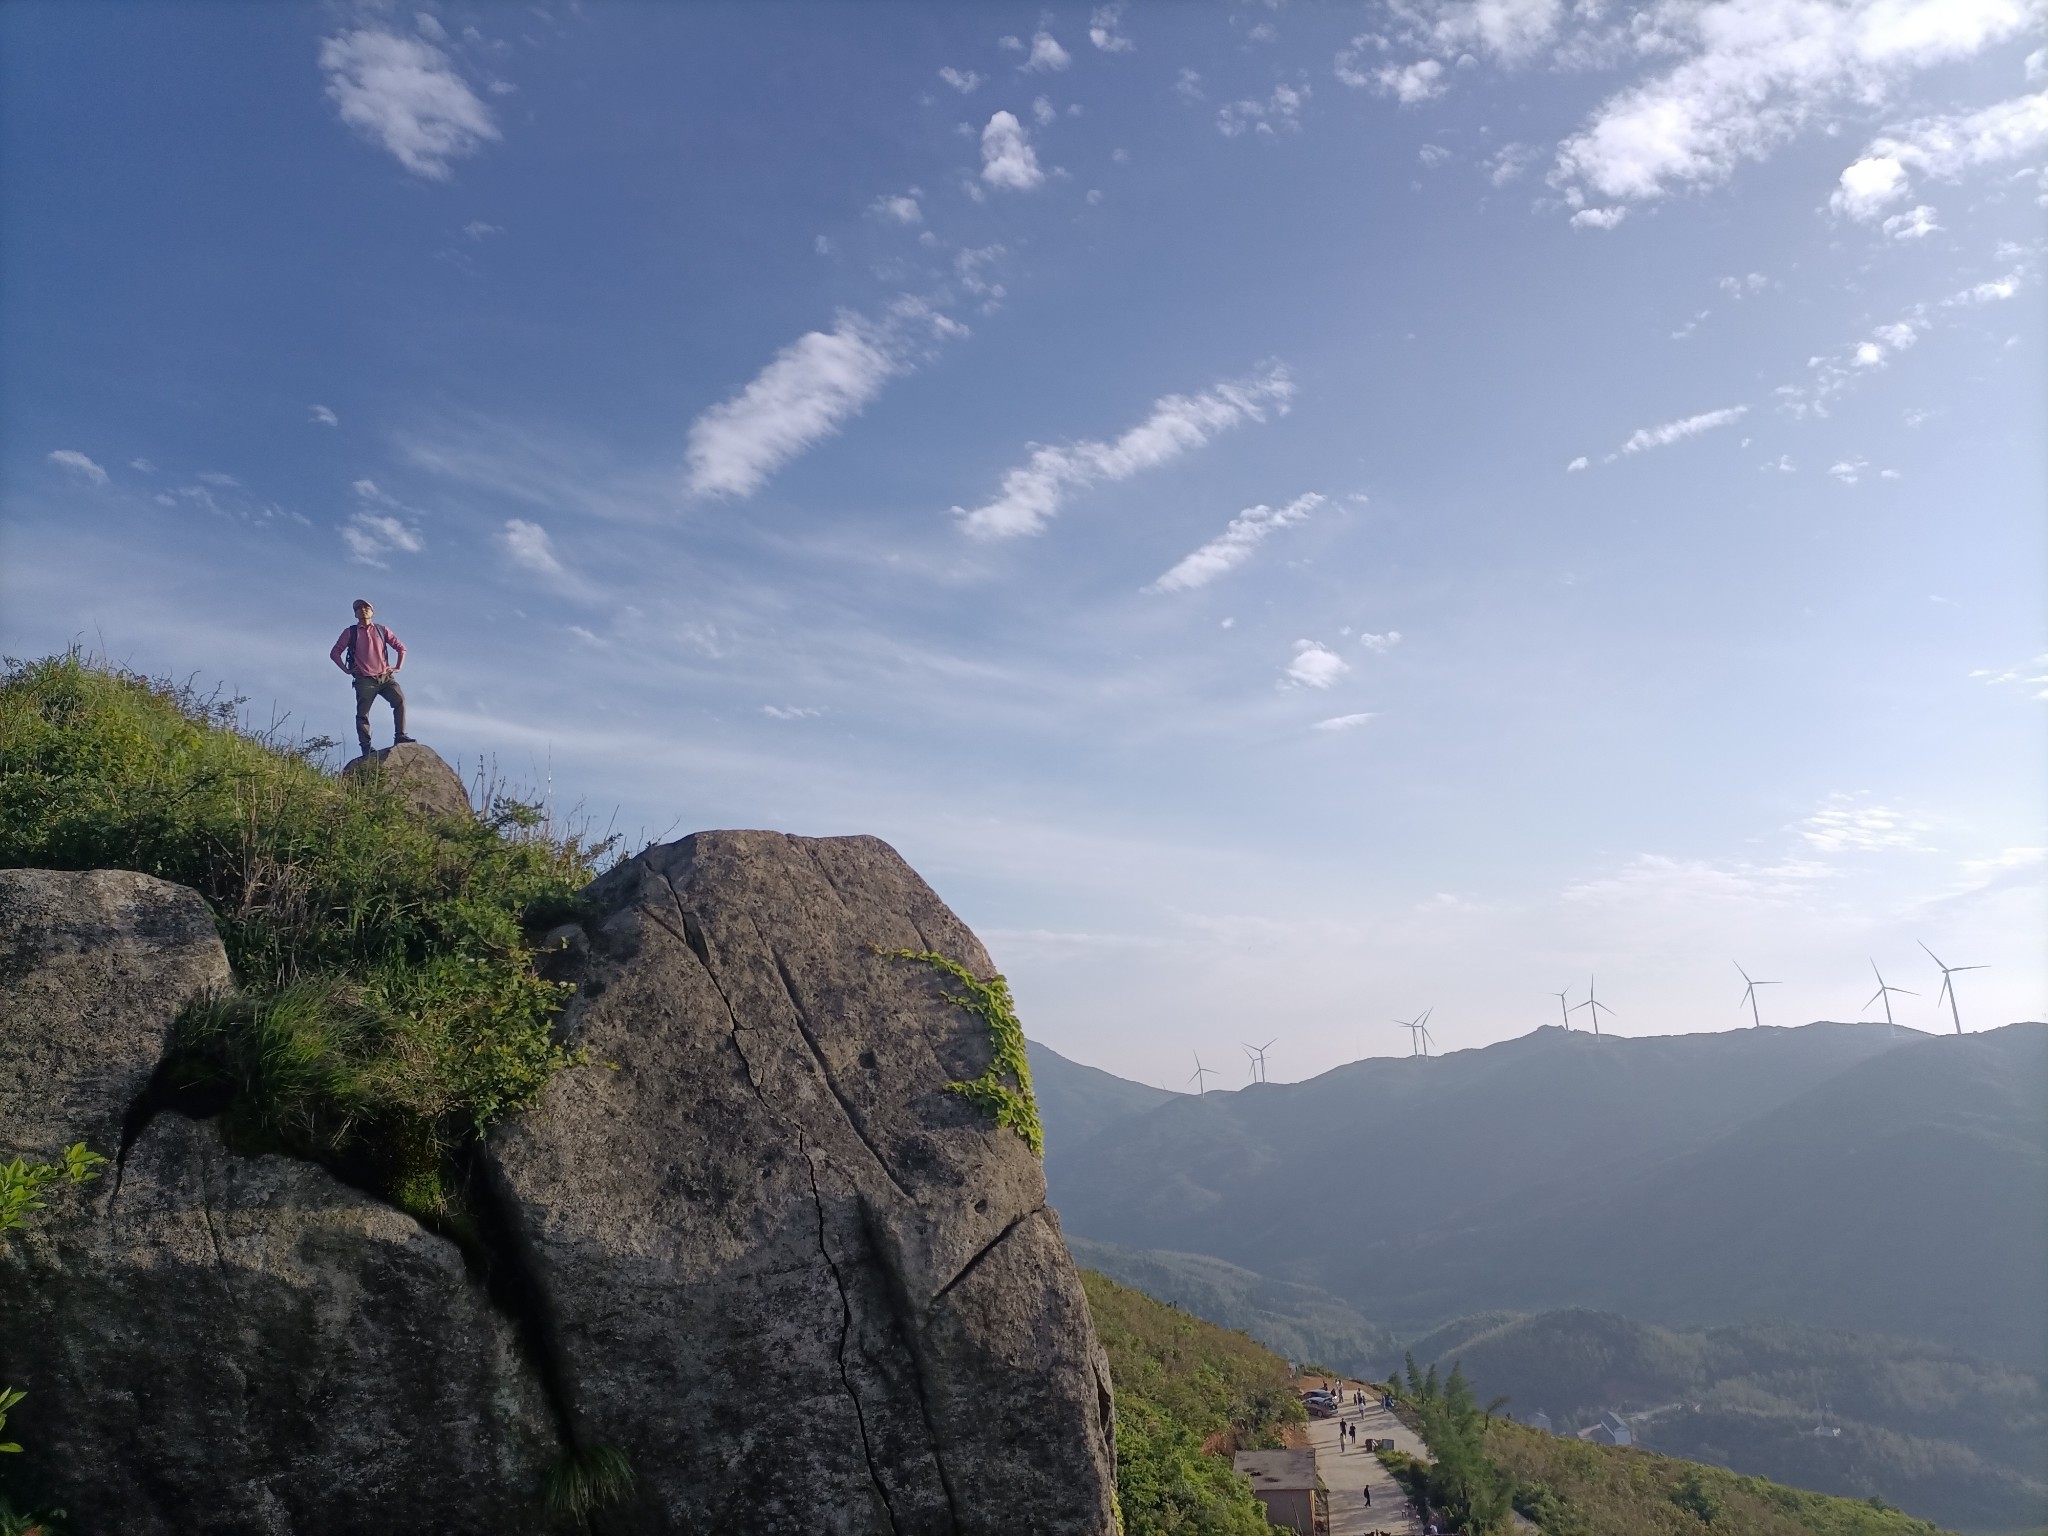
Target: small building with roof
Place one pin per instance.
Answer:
(1608, 1431)
(1285, 1482)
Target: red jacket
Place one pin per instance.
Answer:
(360, 651)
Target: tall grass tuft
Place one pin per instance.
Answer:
(587, 1478)
(388, 1008)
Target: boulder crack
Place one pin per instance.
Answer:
(986, 1249)
(803, 1027)
(692, 939)
(845, 1335)
(908, 1325)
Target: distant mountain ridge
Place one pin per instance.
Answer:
(1840, 1175)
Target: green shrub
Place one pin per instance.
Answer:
(1182, 1384)
(1004, 1088)
(388, 1008)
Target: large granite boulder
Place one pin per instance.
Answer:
(218, 1343)
(421, 777)
(95, 966)
(803, 1286)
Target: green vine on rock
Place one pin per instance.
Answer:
(1004, 1088)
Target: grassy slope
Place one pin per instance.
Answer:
(1297, 1321)
(1182, 1384)
(1573, 1488)
(388, 1008)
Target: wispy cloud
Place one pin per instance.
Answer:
(1103, 28)
(1848, 824)
(1645, 438)
(898, 208)
(1576, 465)
(1234, 545)
(528, 545)
(1344, 722)
(1942, 147)
(814, 385)
(1007, 158)
(1033, 492)
(2030, 677)
(1046, 54)
(965, 81)
(1381, 644)
(1314, 665)
(403, 93)
(791, 711)
(1598, 218)
(378, 527)
(1752, 73)
(78, 463)
(1280, 111)
(322, 416)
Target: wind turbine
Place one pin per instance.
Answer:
(1200, 1076)
(1593, 1006)
(1884, 994)
(1948, 988)
(1257, 1053)
(1418, 1033)
(1749, 994)
(1561, 996)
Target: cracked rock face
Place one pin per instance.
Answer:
(218, 1343)
(802, 1286)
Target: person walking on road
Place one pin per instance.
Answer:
(371, 655)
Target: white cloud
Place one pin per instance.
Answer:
(477, 229)
(1944, 147)
(2031, 676)
(970, 269)
(1314, 666)
(1508, 31)
(1432, 155)
(1343, 722)
(323, 415)
(1898, 336)
(1102, 29)
(1576, 465)
(1992, 292)
(1379, 645)
(900, 207)
(1849, 471)
(1406, 83)
(1234, 545)
(370, 536)
(1046, 53)
(1280, 110)
(404, 94)
(528, 545)
(1010, 44)
(142, 464)
(1868, 186)
(1598, 218)
(1007, 159)
(1032, 492)
(1510, 161)
(72, 459)
(1677, 431)
(791, 711)
(1753, 73)
(1846, 825)
(1043, 110)
(1188, 86)
(962, 80)
(811, 388)
(1911, 224)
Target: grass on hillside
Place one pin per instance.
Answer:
(1570, 1487)
(1183, 1385)
(388, 1009)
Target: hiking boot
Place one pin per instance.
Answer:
(400, 741)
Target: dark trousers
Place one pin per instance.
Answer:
(370, 688)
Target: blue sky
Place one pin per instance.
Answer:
(1288, 516)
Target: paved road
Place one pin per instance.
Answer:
(1347, 1474)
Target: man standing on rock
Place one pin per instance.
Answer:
(371, 655)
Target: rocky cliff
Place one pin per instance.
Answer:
(756, 1245)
